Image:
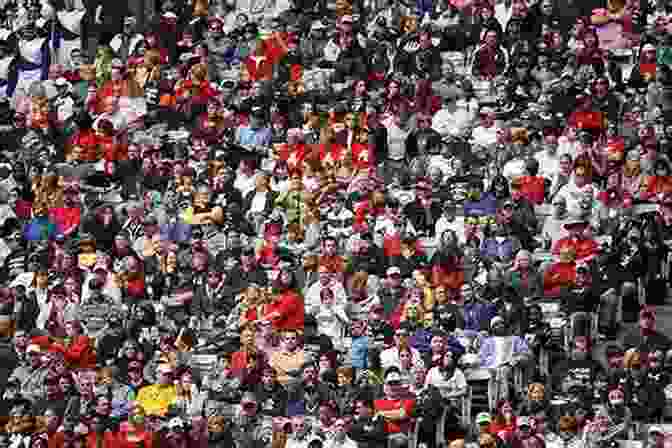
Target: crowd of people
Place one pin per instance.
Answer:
(356, 224)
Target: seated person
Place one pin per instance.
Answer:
(397, 412)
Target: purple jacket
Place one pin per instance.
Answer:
(488, 355)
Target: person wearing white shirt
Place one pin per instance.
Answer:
(514, 168)
(301, 435)
(113, 114)
(340, 219)
(567, 144)
(448, 378)
(340, 438)
(391, 226)
(485, 134)
(448, 221)
(328, 280)
(576, 191)
(554, 225)
(549, 161)
(391, 356)
(246, 178)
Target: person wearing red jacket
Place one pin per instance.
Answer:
(76, 348)
(286, 311)
(584, 248)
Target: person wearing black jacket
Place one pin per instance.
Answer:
(272, 397)
(423, 212)
(368, 258)
(581, 298)
(580, 370)
(248, 271)
(368, 431)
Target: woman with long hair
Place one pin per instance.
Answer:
(504, 420)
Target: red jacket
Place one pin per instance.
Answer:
(79, 354)
(587, 120)
(392, 405)
(290, 307)
(584, 248)
(533, 188)
(110, 440)
(558, 276)
(362, 156)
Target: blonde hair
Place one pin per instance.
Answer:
(535, 387)
(631, 358)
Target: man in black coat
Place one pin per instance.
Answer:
(368, 431)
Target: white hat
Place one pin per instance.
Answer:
(495, 320)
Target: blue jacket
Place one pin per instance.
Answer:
(477, 315)
(360, 352)
(41, 228)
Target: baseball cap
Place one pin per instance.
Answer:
(655, 429)
(483, 418)
(393, 378)
(524, 421)
(393, 270)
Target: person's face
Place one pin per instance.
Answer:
(405, 359)
(66, 385)
(291, 341)
(326, 415)
(589, 40)
(42, 280)
(448, 362)
(268, 379)
(111, 104)
(394, 280)
(486, 13)
(103, 407)
(615, 360)
(647, 322)
(200, 262)
(362, 409)
(394, 89)
(165, 376)
(330, 248)
(523, 261)
(601, 88)
(580, 349)
(491, 38)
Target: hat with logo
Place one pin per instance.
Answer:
(483, 418)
